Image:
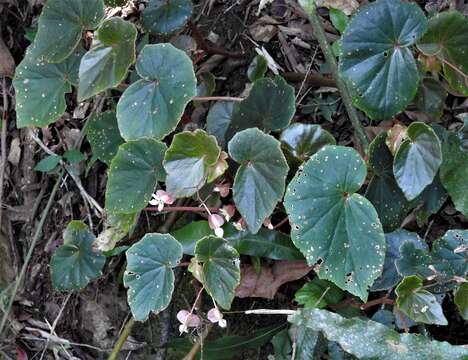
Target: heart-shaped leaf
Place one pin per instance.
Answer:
(134, 174)
(104, 136)
(376, 58)
(395, 240)
(454, 171)
(74, 264)
(152, 106)
(447, 39)
(48, 164)
(163, 17)
(304, 140)
(333, 224)
(383, 191)
(461, 300)
(106, 64)
(61, 25)
(260, 179)
(221, 269)
(430, 98)
(149, 275)
(41, 87)
(417, 159)
(450, 255)
(367, 339)
(218, 120)
(188, 161)
(270, 106)
(418, 304)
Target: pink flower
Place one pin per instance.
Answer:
(161, 198)
(215, 316)
(187, 320)
(215, 222)
(267, 224)
(223, 189)
(228, 211)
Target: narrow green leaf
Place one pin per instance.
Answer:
(74, 264)
(61, 25)
(419, 304)
(332, 223)
(153, 106)
(260, 179)
(318, 293)
(257, 68)
(149, 275)
(133, 175)
(48, 164)
(377, 61)
(338, 19)
(106, 64)
(163, 17)
(417, 160)
(461, 300)
(371, 340)
(221, 269)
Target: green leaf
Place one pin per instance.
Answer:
(454, 171)
(153, 106)
(189, 234)
(259, 181)
(338, 19)
(376, 59)
(395, 240)
(61, 25)
(115, 3)
(318, 293)
(188, 162)
(447, 39)
(383, 191)
(430, 201)
(106, 64)
(74, 264)
(304, 140)
(309, 343)
(41, 87)
(115, 251)
(74, 156)
(450, 253)
(413, 261)
(270, 106)
(417, 160)
(221, 269)
(149, 275)
(419, 304)
(104, 136)
(133, 175)
(163, 17)
(430, 98)
(371, 340)
(48, 164)
(461, 300)
(282, 345)
(332, 223)
(257, 68)
(218, 120)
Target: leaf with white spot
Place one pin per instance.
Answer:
(149, 275)
(333, 224)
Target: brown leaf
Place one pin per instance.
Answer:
(266, 283)
(347, 6)
(7, 64)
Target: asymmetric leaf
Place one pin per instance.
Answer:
(74, 264)
(376, 59)
(383, 191)
(106, 64)
(221, 269)
(450, 255)
(418, 304)
(270, 106)
(430, 98)
(447, 39)
(371, 340)
(417, 159)
(188, 161)
(61, 25)
(41, 88)
(218, 119)
(163, 17)
(332, 223)
(260, 179)
(133, 175)
(153, 106)
(104, 136)
(413, 260)
(149, 275)
(461, 300)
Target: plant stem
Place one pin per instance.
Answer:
(319, 33)
(213, 98)
(196, 347)
(122, 338)
(36, 237)
(181, 208)
(3, 146)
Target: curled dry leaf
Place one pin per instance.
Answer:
(347, 6)
(266, 283)
(7, 64)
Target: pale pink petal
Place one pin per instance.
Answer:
(267, 224)
(160, 206)
(182, 315)
(193, 320)
(214, 315)
(215, 221)
(165, 197)
(183, 328)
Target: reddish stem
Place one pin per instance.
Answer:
(181, 208)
